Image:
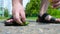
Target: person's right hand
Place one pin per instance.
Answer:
(18, 12)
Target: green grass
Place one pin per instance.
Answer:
(34, 18)
(28, 18)
(31, 18)
(56, 16)
(3, 18)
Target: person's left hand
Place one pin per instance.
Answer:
(56, 4)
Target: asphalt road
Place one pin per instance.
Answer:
(32, 28)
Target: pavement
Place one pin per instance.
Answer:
(32, 28)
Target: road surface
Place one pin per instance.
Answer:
(32, 28)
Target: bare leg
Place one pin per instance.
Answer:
(44, 7)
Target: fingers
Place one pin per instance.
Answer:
(10, 20)
(56, 5)
(16, 9)
(17, 18)
(23, 17)
(55, 1)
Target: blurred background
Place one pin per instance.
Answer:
(31, 8)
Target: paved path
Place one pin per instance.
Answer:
(32, 28)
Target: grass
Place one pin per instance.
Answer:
(34, 18)
(29, 18)
(3, 18)
(56, 16)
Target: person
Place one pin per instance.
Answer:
(44, 16)
(19, 13)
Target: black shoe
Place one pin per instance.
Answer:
(43, 20)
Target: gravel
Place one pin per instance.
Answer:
(32, 28)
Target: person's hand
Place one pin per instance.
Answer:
(18, 13)
(55, 3)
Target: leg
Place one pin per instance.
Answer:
(44, 7)
(43, 16)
